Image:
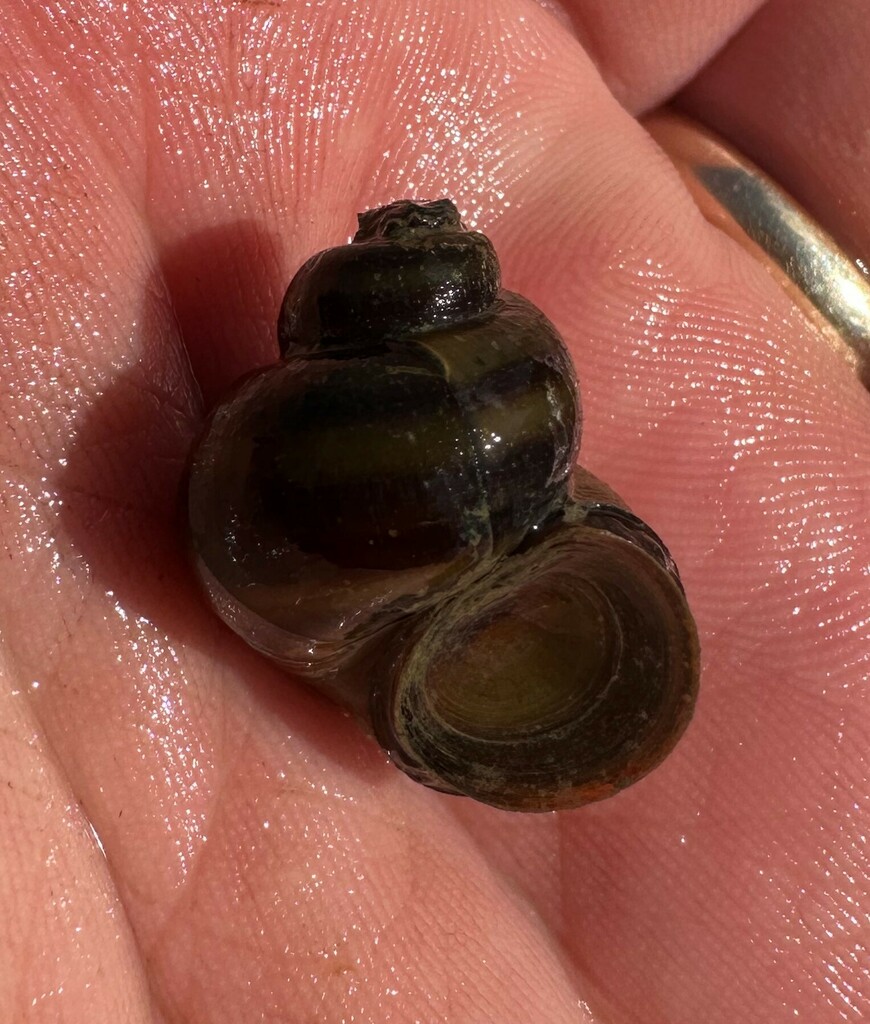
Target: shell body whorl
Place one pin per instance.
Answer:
(380, 510)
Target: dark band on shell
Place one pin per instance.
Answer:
(393, 512)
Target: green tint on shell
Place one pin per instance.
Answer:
(562, 677)
(392, 512)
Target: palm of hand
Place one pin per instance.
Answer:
(164, 173)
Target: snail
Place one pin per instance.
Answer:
(393, 513)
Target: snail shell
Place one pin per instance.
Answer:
(393, 512)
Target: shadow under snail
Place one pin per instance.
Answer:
(393, 513)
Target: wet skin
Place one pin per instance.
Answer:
(190, 836)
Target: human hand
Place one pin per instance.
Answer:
(165, 168)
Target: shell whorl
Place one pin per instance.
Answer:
(392, 511)
(410, 269)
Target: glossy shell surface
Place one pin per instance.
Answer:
(392, 511)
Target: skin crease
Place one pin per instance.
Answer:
(189, 835)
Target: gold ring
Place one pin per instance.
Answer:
(738, 197)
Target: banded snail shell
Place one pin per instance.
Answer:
(393, 513)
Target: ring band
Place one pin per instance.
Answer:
(738, 197)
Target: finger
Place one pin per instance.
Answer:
(646, 51)
(791, 91)
(672, 332)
